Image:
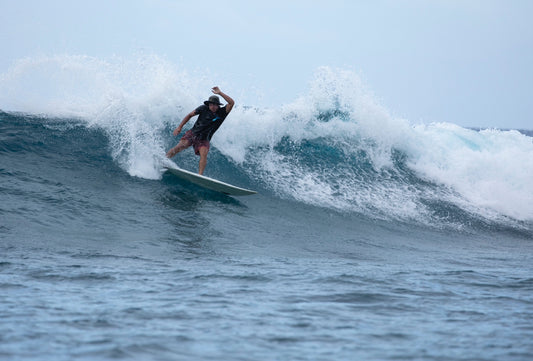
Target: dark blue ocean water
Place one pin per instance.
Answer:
(102, 260)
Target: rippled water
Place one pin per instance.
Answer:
(97, 264)
(318, 295)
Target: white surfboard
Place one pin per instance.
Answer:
(209, 183)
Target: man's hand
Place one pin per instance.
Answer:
(183, 122)
(216, 90)
(177, 131)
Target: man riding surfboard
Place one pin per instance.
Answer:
(211, 115)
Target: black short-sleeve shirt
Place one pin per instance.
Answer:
(208, 122)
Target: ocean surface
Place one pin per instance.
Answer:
(371, 238)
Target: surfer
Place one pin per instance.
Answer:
(211, 116)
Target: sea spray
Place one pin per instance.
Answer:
(132, 100)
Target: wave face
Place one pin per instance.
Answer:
(335, 147)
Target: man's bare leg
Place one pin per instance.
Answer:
(182, 145)
(203, 159)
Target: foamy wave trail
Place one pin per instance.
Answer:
(335, 147)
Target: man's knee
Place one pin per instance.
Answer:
(184, 144)
(203, 151)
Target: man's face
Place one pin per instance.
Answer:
(213, 107)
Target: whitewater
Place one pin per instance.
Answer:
(371, 237)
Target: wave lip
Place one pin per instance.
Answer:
(491, 169)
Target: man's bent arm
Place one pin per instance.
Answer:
(226, 97)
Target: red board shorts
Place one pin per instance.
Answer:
(195, 142)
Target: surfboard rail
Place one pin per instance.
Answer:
(209, 183)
